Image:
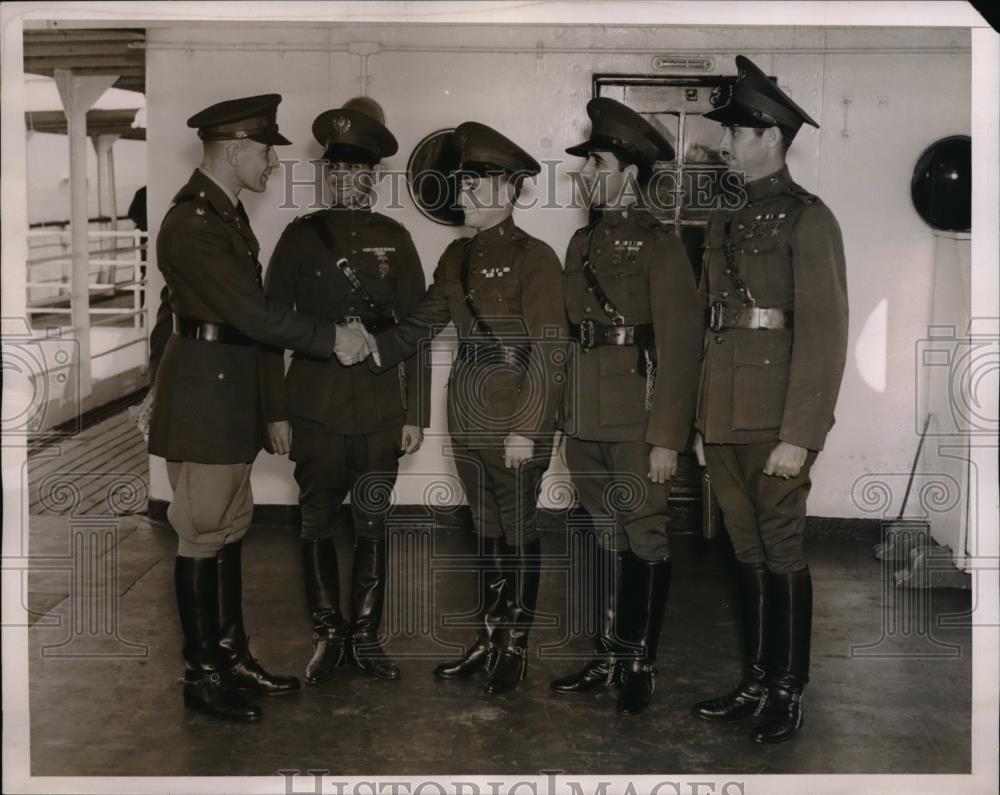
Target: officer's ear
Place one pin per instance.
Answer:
(772, 137)
(233, 149)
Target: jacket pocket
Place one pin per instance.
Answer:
(622, 389)
(761, 364)
(756, 263)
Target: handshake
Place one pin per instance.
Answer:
(354, 344)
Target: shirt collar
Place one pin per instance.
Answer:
(229, 194)
(495, 234)
(351, 215)
(771, 185)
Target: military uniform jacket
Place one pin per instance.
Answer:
(208, 395)
(304, 272)
(644, 269)
(515, 281)
(762, 385)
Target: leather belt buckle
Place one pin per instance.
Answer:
(620, 335)
(716, 313)
(587, 333)
(208, 332)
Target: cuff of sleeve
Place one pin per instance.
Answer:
(324, 338)
(670, 440)
(800, 438)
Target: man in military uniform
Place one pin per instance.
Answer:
(502, 289)
(349, 424)
(775, 285)
(206, 417)
(633, 309)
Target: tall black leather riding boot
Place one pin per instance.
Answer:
(321, 574)
(368, 597)
(599, 671)
(245, 672)
(651, 583)
(788, 657)
(494, 585)
(207, 688)
(511, 648)
(745, 699)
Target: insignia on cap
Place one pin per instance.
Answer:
(341, 124)
(463, 141)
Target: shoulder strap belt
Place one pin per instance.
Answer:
(607, 305)
(319, 224)
(477, 319)
(730, 251)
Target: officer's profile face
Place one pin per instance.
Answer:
(253, 162)
(350, 184)
(485, 200)
(606, 178)
(749, 150)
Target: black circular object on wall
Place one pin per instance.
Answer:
(941, 186)
(429, 179)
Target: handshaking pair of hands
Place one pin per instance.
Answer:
(354, 344)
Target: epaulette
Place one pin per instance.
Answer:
(649, 221)
(301, 218)
(182, 199)
(523, 239)
(392, 222)
(801, 194)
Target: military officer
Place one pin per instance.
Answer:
(206, 417)
(350, 424)
(633, 309)
(775, 285)
(502, 289)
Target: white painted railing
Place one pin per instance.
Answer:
(116, 270)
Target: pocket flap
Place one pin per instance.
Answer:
(762, 349)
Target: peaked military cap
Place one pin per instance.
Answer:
(248, 117)
(351, 135)
(757, 101)
(483, 148)
(617, 128)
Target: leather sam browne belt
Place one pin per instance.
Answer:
(720, 317)
(210, 332)
(591, 334)
(374, 325)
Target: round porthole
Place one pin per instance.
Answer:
(429, 180)
(941, 186)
